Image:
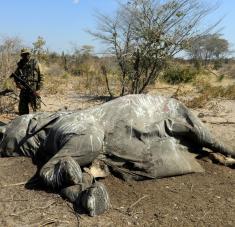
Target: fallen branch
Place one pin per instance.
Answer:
(175, 94)
(31, 209)
(209, 70)
(77, 215)
(161, 88)
(132, 205)
(191, 188)
(49, 222)
(16, 184)
(221, 122)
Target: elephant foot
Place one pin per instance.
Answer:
(95, 199)
(88, 195)
(71, 193)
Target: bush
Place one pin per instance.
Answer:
(217, 64)
(54, 70)
(179, 74)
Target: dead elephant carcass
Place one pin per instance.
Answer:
(137, 136)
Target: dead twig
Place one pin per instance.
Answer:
(122, 210)
(51, 221)
(13, 200)
(209, 70)
(133, 204)
(191, 188)
(31, 209)
(16, 184)
(176, 93)
(77, 215)
(221, 122)
(169, 87)
(48, 222)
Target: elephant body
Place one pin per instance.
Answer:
(138, 136)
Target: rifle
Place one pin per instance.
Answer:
(26, 86)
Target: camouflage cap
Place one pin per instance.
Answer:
(25, 51)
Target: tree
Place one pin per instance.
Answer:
(86, 51)
(82, 53)
(9, 54)
(38, 47)
(64, 61)
(208, 47)
(144, 34)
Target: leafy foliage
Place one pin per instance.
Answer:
(38, 48)
(208, 47)
(176, 74)
(145, 33)
(9, 49)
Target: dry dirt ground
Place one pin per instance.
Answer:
(202, 199)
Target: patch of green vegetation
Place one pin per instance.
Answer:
(176, 74)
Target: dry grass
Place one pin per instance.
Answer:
(54, 85)
(208, 92)
(90, 84)
(56, 79)
(7, 104)
(228, 70)
(95, 84)
(8, 101)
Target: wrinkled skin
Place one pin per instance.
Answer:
(137, 136)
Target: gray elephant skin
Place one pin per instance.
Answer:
(137, 136)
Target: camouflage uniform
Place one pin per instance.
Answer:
(30, 72)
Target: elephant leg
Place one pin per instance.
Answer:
(63, 169)
(62, 172)
(95, 199)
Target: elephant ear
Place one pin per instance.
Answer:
(41, 120)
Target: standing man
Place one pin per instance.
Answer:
(28, 71)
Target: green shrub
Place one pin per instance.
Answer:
(217, 64)
(65, 75)
(197, 64)
(220, 78)
(7, 84)
(179, 74)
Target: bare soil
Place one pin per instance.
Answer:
(202, 199)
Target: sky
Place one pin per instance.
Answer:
(63, 23)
